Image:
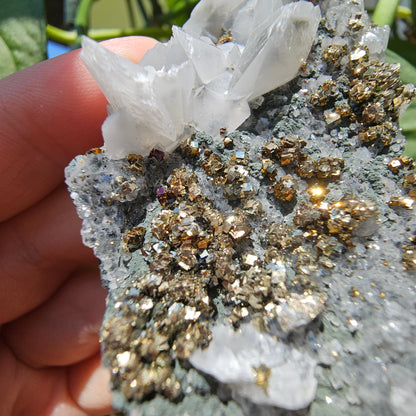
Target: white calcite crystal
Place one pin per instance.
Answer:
(226, 55)
(258, 367)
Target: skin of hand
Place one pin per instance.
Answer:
(51, 299)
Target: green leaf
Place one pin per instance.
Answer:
(408, 124)
(408, 121)
(385, 12)
(410, 149)
(413, 9)
(404, 49)
(22, 35)
(179, 11)
(7, 65)
(175, 4)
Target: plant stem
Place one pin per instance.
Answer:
(385, 12)
(157, 12)
(143, 11)
(131, 13)
(413, 10)
(69, 37)
(59, 35)
(171, 15)
(404, 13)
(82, 16)
(153, 32)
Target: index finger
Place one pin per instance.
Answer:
(49, 113)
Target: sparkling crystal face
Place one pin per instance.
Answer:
(254, 268)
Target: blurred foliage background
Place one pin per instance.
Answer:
(32, 29)
(103, 19)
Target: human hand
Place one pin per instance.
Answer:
(51, 300)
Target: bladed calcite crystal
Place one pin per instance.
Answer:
(269, 270)
(200, 80)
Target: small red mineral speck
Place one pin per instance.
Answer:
(157, 154)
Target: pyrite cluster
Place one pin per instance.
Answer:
(199, 256)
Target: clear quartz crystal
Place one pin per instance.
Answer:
(376, 40)
(196, 82)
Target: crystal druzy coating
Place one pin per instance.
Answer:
(269, 270)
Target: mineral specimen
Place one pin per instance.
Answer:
(266, 271)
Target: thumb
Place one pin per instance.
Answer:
(49, 113)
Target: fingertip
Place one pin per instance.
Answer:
(65, 329)
(49, 113)
(89, 386)
(131, 47)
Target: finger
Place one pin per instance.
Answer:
(65, 329)
(39, 248)
(27, 391)
(89, 386)
(49, 113)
